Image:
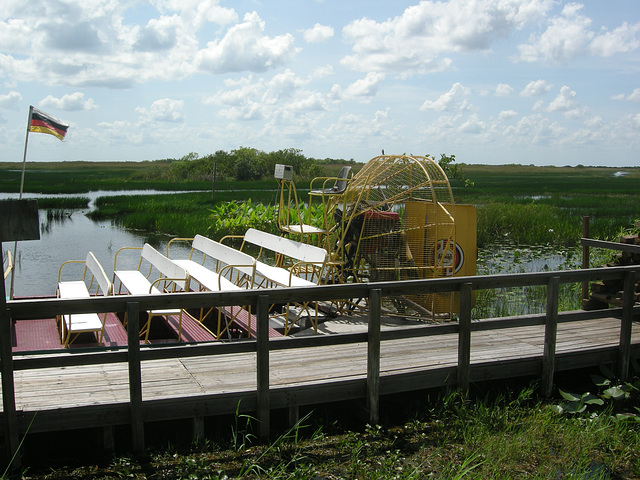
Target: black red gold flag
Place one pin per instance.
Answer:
(44, 123)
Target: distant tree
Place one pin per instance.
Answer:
(287, 156)
(249, 163)
(453, 171)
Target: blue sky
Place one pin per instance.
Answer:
(490, 81)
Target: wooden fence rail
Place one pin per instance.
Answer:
(259, 300)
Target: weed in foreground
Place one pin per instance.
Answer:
(510, 435)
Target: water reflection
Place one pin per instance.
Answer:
(507, 258)
(69, 236)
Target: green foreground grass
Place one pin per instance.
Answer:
(510, 435)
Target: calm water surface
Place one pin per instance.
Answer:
(37, 261)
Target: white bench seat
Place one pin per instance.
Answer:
(220, 268)
(208, 279)
(281, 276)
(78, 322)
(305, 266)
(71, 325)
(170, 278)
(304, 229)
(136, 283)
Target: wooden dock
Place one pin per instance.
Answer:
(61, 390)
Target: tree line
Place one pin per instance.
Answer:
(243, 163)
(246, 163)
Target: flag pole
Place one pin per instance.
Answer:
(24, 162)
(24, 156)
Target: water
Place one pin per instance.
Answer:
(506, 258)
(37, 262)
(90, 195)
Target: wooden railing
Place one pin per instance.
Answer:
(262, 345)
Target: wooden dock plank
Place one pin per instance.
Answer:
(301, 375)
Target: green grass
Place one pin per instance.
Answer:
(81, 177)
(63, 202)
(187, 214)
(509, 435)
(538, 205)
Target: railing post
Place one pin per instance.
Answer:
(373, 356)
(8, 388)
(585, 257)
(135, 376)
(550, 335)
(262, 368)
(464, 336)
(624, 349)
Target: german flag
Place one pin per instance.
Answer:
(44, 123)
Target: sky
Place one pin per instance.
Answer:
(490, 81)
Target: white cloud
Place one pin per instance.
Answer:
(158, 35)
(564, 101)
(594, 122)
(69, 102)
(503, 90)
(536, 130)
(10, 100)
(453, 100)
(198, 12)
(88, 44)
(283, 98)
(621, 40)
(535, 88)
(566, 38)
(282, 85)
(319, 33)
(473, 124)
(420, 38)
(360, 129)
(314, 101)
(632, 97)
(96, 42)
(239, 92)
(570, 36)
(245, 48)
(507, 115)
(322, 71)
(365, 87)
(15, 35)
(162, 110)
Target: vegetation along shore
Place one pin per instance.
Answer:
(521, 204)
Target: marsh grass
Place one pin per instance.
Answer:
(185, 214)
(79, 177)
(538, 205)
(62, 203)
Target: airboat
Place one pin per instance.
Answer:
(393, 220)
